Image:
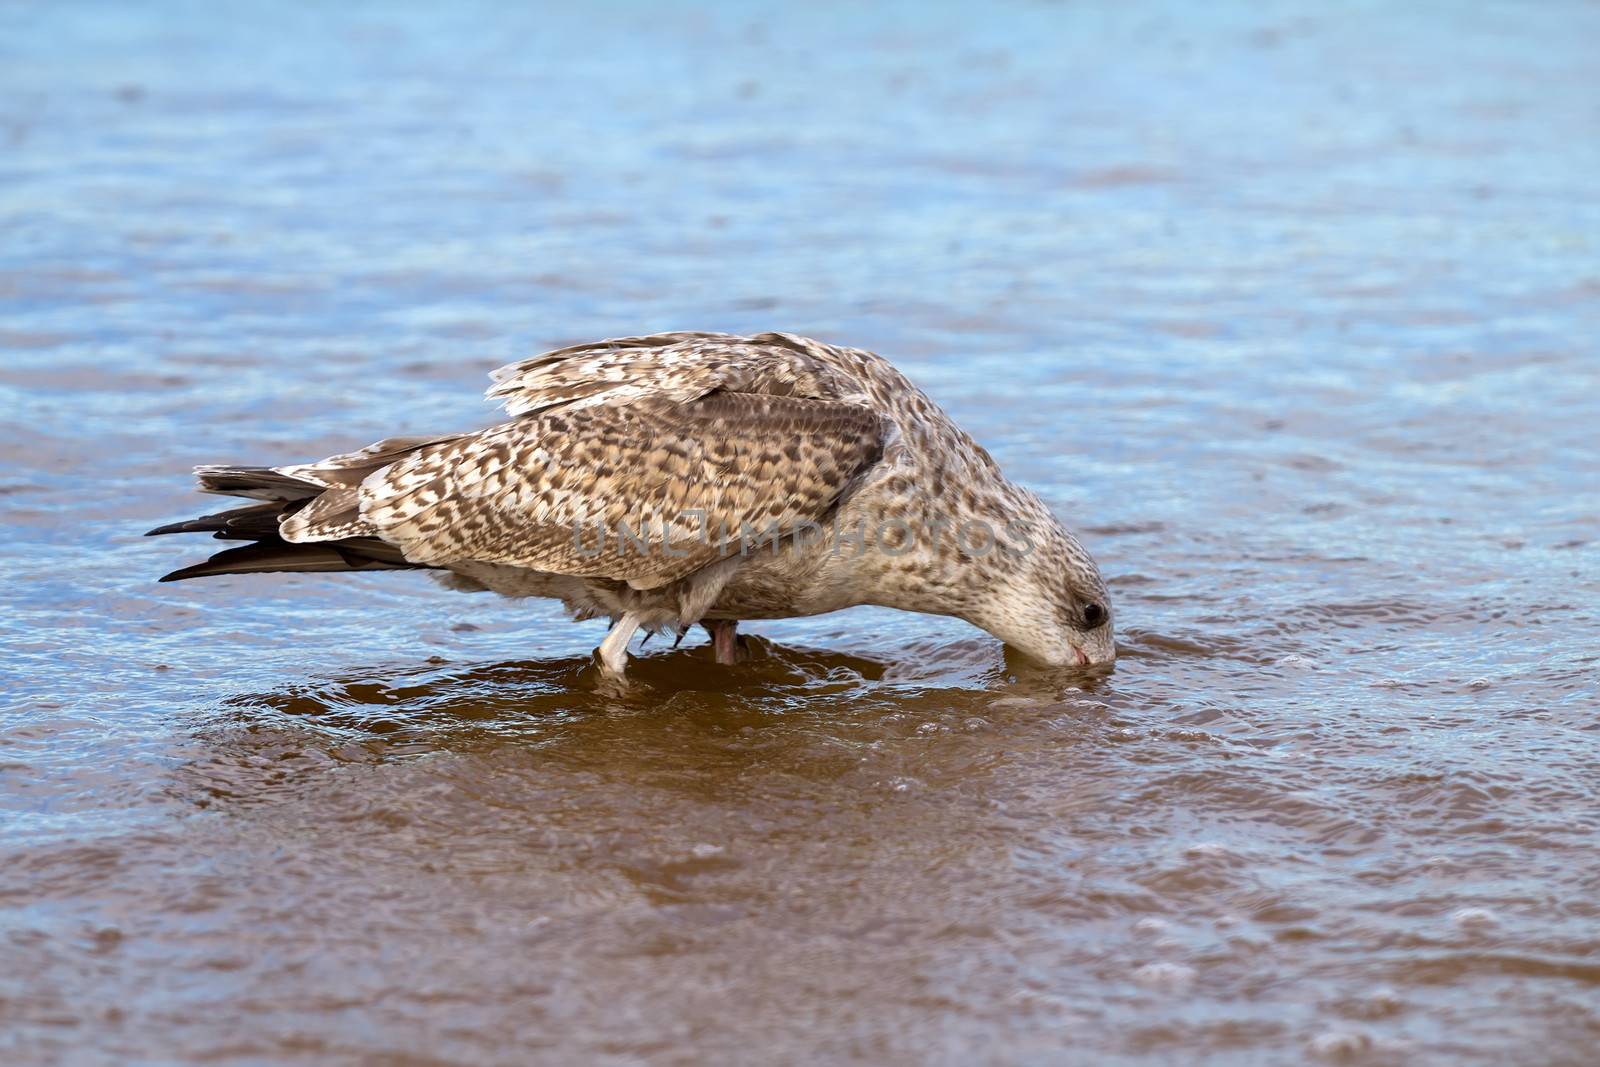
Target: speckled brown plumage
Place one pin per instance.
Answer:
(525, 494)
(672, 445)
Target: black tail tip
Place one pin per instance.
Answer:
(198, 570)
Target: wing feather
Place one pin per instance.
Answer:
(632, 459)
(669, 367)
(618, 490)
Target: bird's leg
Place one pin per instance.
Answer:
(614, 649)
(725, 640)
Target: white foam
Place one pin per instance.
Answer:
(1475, 919)
(1166, 976)
(1339, 1044)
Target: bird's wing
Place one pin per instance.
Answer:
(646, 487)
(672, 367)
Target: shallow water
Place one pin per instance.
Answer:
(1292, 314)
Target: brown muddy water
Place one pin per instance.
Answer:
(1291, 312)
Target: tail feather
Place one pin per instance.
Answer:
(319, 499)
(328, 556)
(254, 523)
(261, 524)
(260, 483)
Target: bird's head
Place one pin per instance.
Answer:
(1048, 601)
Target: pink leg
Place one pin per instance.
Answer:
(725, 640)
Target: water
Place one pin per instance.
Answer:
(1291, 312)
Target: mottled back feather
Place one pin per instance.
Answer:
(646, 490)
(672, 368)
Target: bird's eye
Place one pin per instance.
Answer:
(1093, 615)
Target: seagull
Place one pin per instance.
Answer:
(685, 479)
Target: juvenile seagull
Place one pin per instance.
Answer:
(689, 478)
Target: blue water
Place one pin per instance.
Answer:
(1291, 310)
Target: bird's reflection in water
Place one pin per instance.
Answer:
(506, 698)
(678, 717)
